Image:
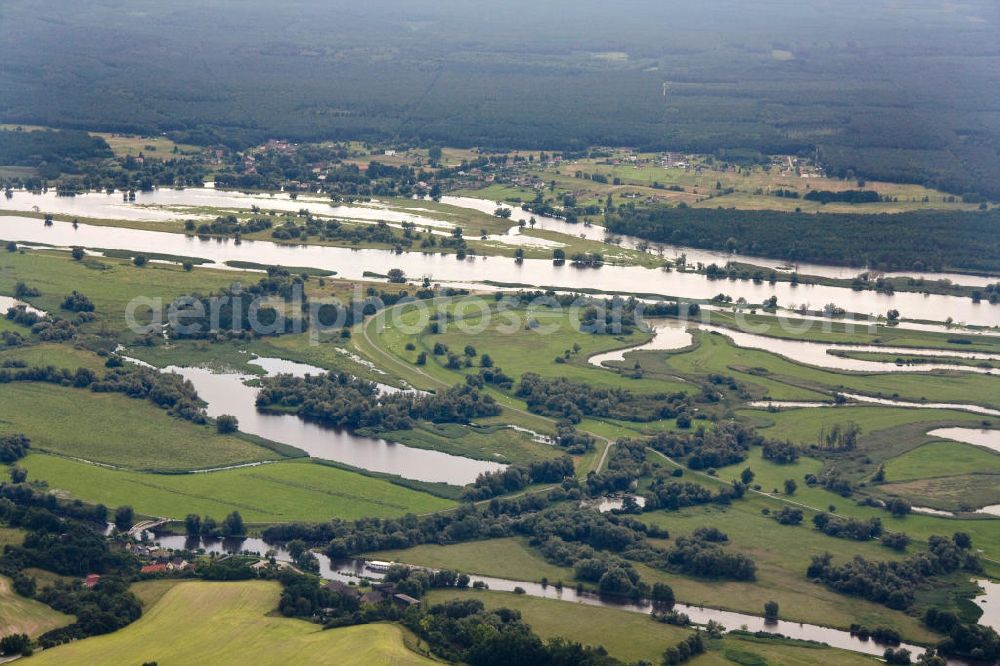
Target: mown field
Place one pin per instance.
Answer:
(635, 637)
(272, 493)
(20, 615)
(228, 623)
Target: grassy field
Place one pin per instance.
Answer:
(633, 637)
(109, 283)
(224, 623)
(802, 426)
(984, 531)
(50, 353)
(495, 443)
(113, 429)
(10, 535)
(839, 332)
(155, 147)
(510, 558)
(961, 492)
(518, 349)
(278, 492)
(942, 459)
(19, 615)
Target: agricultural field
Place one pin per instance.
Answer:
(224, 622)
(706, 181)
(20, 615)
(272, 493)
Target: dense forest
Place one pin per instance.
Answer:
(920, 240)
(877, 89)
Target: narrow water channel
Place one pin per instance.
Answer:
(353, 570)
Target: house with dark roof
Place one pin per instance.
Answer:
(373, 597)
(341, 587)
(405, 600)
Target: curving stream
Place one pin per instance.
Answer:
(354, 570)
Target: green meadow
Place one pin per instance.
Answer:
(271, 493)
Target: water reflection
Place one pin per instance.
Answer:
(352, 264)
(227, 393)
(667, 334)
(984, 437)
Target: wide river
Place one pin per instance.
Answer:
(352, 263)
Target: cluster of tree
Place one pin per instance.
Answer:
(698, 555)
(13, 644)
(233, 313)
(783, 453)
(848, 528)
(167, 390)
(164, 389)
(341, 400)
(55, 151)
(106, 607)
(229, 225)
(725, 444)
(13, 447)
(788, 516)
(839, 437)
(887, 241)
(517, 477)
(572, 440)
(463, 631)
(977, 642)
(232, 526)
(572, 401)
(671, 495)
(844, 196)
(65, 538)
(989, 293)
(77, 302)
(687, 649)
(48, 328)
(625, 464)
(895, 583)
